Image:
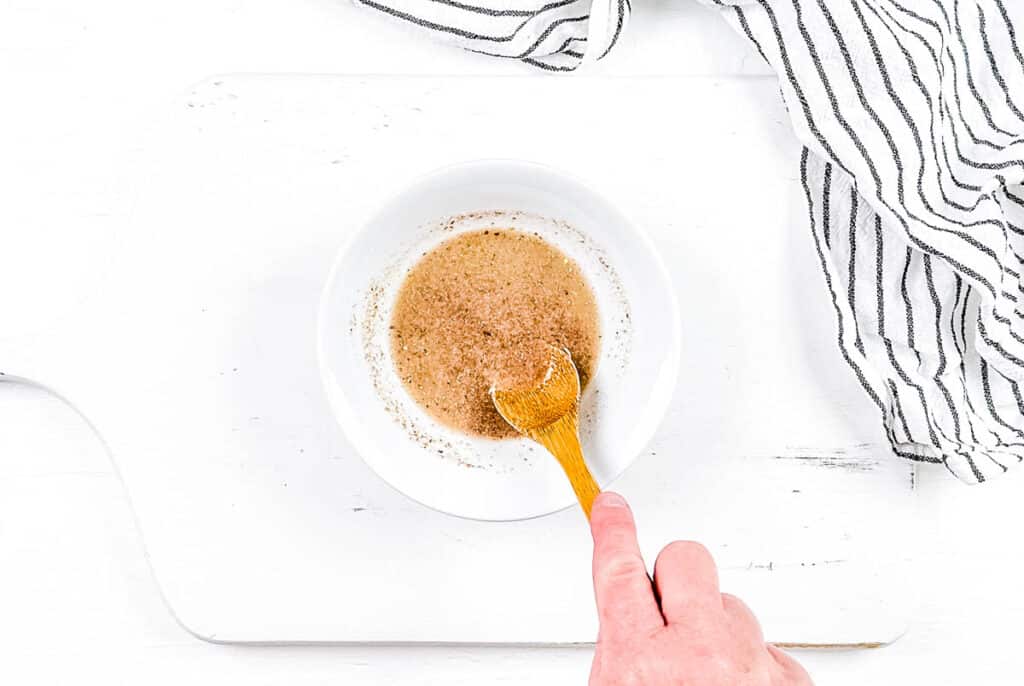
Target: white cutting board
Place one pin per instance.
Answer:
(188, 341)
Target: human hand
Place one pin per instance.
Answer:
(680, 631)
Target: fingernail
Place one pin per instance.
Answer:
(611, 499)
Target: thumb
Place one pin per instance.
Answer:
(625, 597)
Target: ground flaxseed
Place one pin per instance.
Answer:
(484, 306)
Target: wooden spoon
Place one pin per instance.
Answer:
(548, 413)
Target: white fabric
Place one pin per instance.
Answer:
(557, 35)
(912, 114)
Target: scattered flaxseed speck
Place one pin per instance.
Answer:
(371, 317)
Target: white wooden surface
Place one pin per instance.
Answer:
(84, 606)
(193, 357)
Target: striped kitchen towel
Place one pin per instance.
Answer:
(556, 36)
(912, 117)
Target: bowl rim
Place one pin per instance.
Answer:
(345, 416)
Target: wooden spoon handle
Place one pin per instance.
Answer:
(561, 438)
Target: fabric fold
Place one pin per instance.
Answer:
(912, 118)
(555, 36)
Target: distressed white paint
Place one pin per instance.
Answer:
(79, 602)
(193, 356)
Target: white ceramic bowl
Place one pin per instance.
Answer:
(480, 478)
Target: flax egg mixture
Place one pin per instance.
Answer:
(485, 307)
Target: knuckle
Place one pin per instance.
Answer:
(635, 677)
(620, 569)
(625, 673)
(741, 616)
(688, 553)
(724, 669)
(732, 603)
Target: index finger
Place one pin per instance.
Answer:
(625, 596)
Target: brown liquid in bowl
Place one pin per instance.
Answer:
(485, 306)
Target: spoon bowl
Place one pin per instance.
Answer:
(548, 413)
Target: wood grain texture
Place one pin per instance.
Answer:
(190, 357)
(548, 413)
(100, 620)
(561, 438)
